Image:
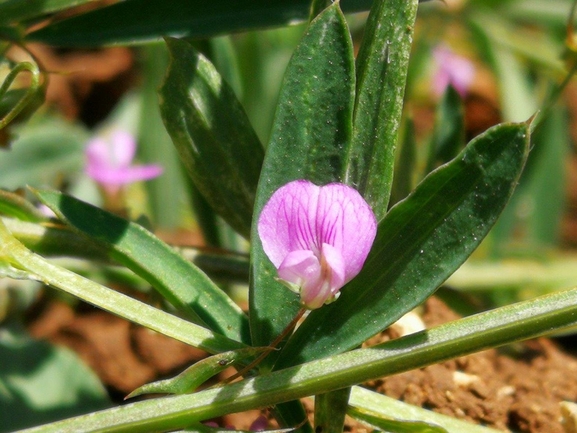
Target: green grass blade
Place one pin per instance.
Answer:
(380, 405)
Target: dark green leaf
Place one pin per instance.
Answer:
(179, 281)
(449, 132)
(382, 66)
(212, 134)
(136, 21)
(311, 131)
(419, 244)
(198, 373)
(406, 164)
(12, 11)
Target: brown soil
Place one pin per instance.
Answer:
(517, 388)
(123, 355)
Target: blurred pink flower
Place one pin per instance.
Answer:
(452, 69)
(109, 161)
(317, 237)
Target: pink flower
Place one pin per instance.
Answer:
(452, 69)
(318, 237)
(109, 161)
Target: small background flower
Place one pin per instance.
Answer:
(109, 161)
(453, 69)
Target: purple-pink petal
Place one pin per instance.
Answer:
(112, 176)
(452, 69)
(318, 237)
(300, 266)
(108, 160)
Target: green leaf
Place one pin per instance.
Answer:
(395, 425)
(382, 66)
(406, 164)
(516, 89)
(472, 334)
(138, 21)
(184, 285)
(46, 149)
(212, 134)
(12, 11)
(59, 240)
(311, 131)
(198, 373)
(14, 205)
(166, 193)
(380, 405)
(419, 244)
(40, 383)
(449, 131)
(111, 300)
(547, 186)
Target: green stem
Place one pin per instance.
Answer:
(289, 328)
(30, 92)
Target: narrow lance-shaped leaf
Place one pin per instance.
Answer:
(13, 204)
(38, 268)
(198, 373)
(382, 66)
(138, 21)
(312, 128)
(380, 405)
(395, 425)
(212, 134)
(12, 11)
(419, 244)
(182, 284)
(449, 131)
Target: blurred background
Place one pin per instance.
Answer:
(475, 63)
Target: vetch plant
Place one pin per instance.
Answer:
(314, 206)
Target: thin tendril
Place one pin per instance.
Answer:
(289, 328)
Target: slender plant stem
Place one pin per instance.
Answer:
(289, 328)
